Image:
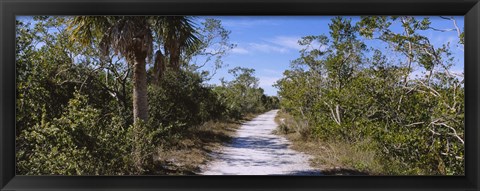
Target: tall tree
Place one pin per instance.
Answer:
(342, 63)
(176, 35)
(129, 37)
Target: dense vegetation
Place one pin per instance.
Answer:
(105, 95)
(116, 95)
(342, 91)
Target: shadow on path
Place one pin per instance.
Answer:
(262, 143)
(301, 173)
(256, 151)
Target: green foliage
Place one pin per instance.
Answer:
(337, 90)
(82, 94)
(242, 95)
(181, 101)
(415, 125)
(79, 142)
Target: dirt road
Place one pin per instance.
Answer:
(256, 151)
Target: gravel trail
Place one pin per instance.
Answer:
(256, 151)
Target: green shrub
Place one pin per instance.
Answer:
(181, 101)
(416, 124)
(80, 142)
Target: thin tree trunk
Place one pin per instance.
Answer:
(409, 63)
(410, 53)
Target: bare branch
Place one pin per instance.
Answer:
(416, 123)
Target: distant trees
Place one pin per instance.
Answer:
(242, 95)
(346, 91)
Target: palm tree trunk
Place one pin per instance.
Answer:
(140, 111)
(140, 101)
(158, 68)
(175, 57)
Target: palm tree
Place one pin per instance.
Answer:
(131, 38)
(177, 34)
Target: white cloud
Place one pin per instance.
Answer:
(278, 44)
(248, 48)
(246, 22)
(452, 39)
(444, 39)
(239, 50)
(290, 42)
(270, 71)
(263, 47)
(265, 81)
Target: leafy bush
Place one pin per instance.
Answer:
(242, 95)
(416, 124)
(181, 101)
(80, 142)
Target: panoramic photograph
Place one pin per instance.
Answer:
(240, 95)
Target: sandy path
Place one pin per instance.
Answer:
(256, 151)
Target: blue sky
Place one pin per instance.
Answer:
(268, 43)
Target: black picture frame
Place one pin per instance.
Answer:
(10, 8)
